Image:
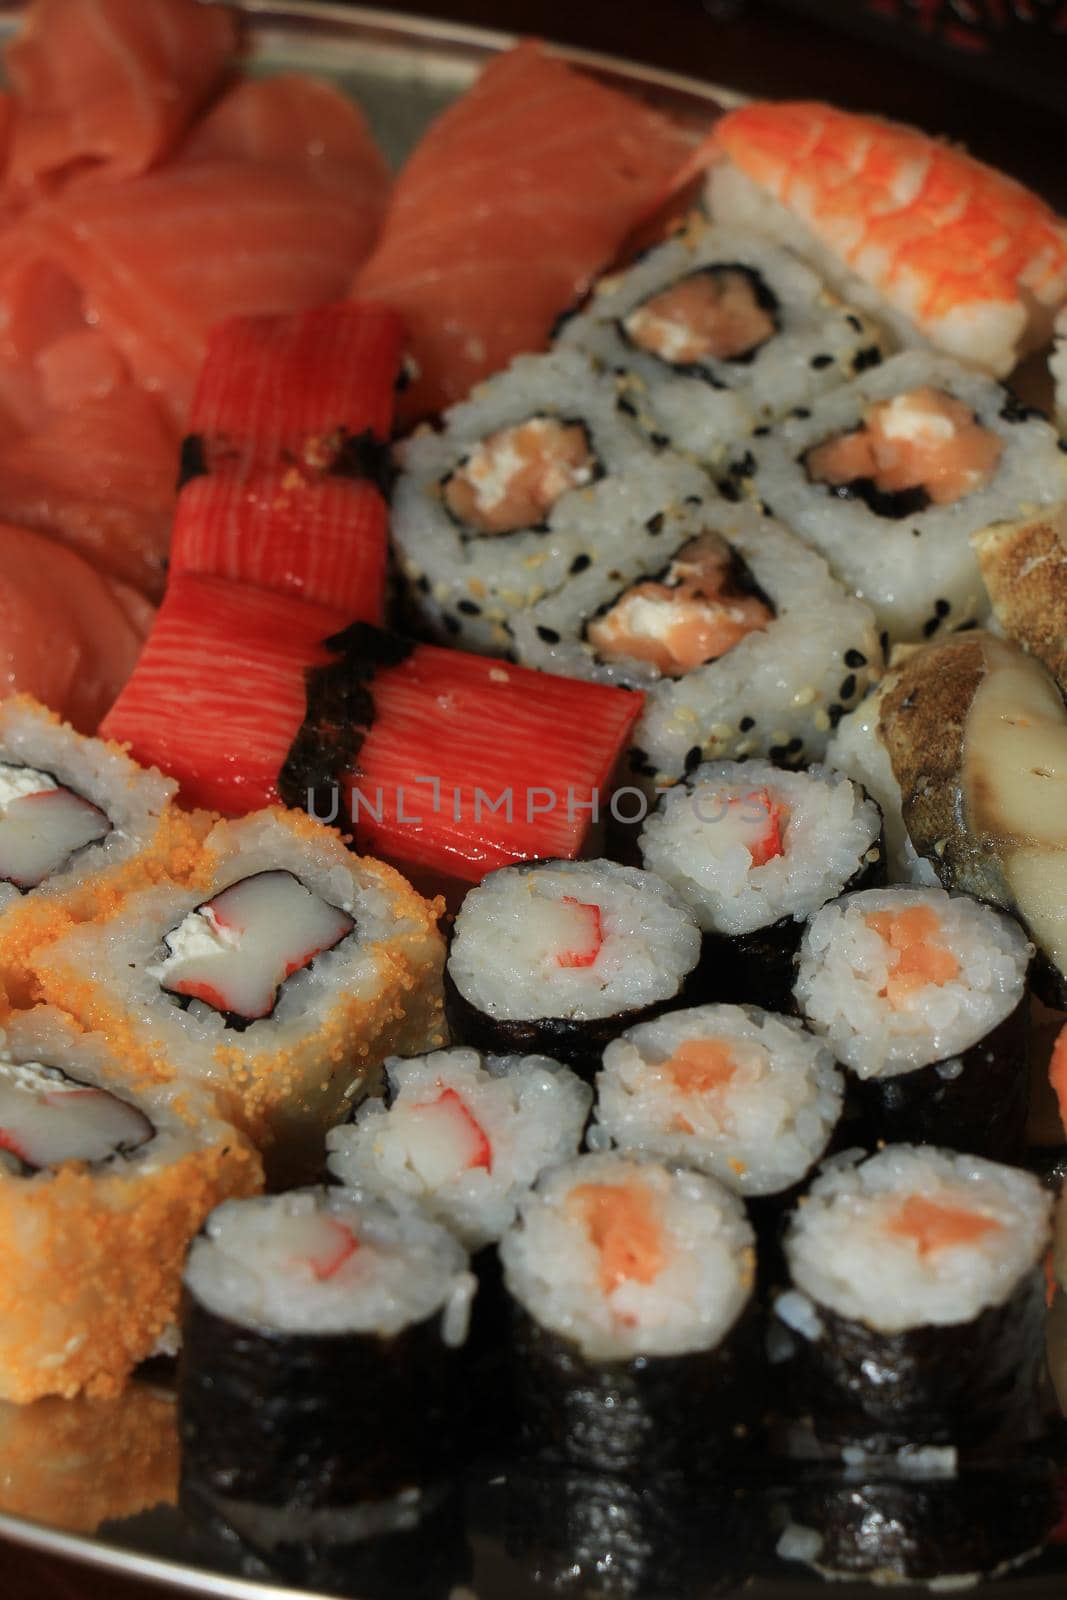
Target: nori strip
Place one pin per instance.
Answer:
(339, 710)
(643, 1415)
(873, 1521)
(975, 1385)
(307, 1421)
(976, 1102)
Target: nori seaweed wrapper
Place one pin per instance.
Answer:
(974, 1385)
(643, 1415)
(976, 1102)
(305, 1420)
(586, 1533)
(874, 1521)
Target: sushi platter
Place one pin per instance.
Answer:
(533, 977)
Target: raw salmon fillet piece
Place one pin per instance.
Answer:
(67, 636)
(518, 195)
(110, 85)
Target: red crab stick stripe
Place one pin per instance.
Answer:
(516, 198)
(279, 390)
(218, 694)
(322, 540)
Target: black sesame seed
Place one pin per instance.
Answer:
(964, 627)
(729, 491)
(854, 323)
(802, 411)
(848, 687)
(916, 533)
(883, 640)
(423, 584)
(580, 563)
(821, 362)
(659, 441)
(855, 658)
(745, 467)
(942, 607)
(746, 723)
(1061, 444)
(626, 406)
(469, 608)
(692, 758)
(930, 627)
(451, 623)
(549, 635)
(693, 500)
(777, 752)
(871, 356)
(761, 432)
(655, 523)
(835, 713)
(794, 746)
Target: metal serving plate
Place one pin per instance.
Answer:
(58, 1478)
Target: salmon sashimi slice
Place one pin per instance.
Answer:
(919, 958)
(517, 197)
(621, 1221)
(218, 695)
(100, 477)
(933, 1225)
(321, 540)
(157, 262)
(957, 252)
(68, 637)
(110, 86)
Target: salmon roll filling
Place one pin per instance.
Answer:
(463, 1134)
(704, 604)
(748, 1097)
(719, 313)
(918, 449)
(514, 477)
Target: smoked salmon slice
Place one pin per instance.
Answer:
(109, 86)
(518, 195)
(67, 636)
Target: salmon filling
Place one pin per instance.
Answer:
(924, 441)
(931, 1226)
(696, 614)
(919, 958)
(42, 824)
(701, 1066)
(47, 1118)
(619, 1219)
(716, 314)
(514, 477)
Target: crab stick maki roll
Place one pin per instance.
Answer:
(923, 996)
(741, 640)
(717, 332)
(103, 1182)
(754, 851)
(918, 1285)
(463, 1135)
(750, 1098)
(559, 957)
(890, 476)
(312, 1321)
(535, 477)
(278, 978)
(630, 1283)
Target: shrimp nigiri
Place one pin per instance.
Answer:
(948, 251)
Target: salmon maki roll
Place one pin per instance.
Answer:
(947, 251)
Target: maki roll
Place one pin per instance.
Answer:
(312, 1320)
(890, 476)
(719, 331)
(740, 1094)
(560, 956)
(923, 996)
(103, 1182)
(742, 641)
(755, 851)
(463, 1135)
(917, 1305)
(278, 978)
(535, 477)
(630, 1283)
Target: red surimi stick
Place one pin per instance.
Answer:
(292, 390)
(324, 540)
(218, 694)
(453, 763)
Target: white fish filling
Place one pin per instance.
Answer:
(626, 1258)
(330, 1261)
(463, 1135)
(749, 1097)
(42, 824)
(574, 939)
(845, 968)
(889, 1242)
(235, 951)
(47, 1119)
(702, 837)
